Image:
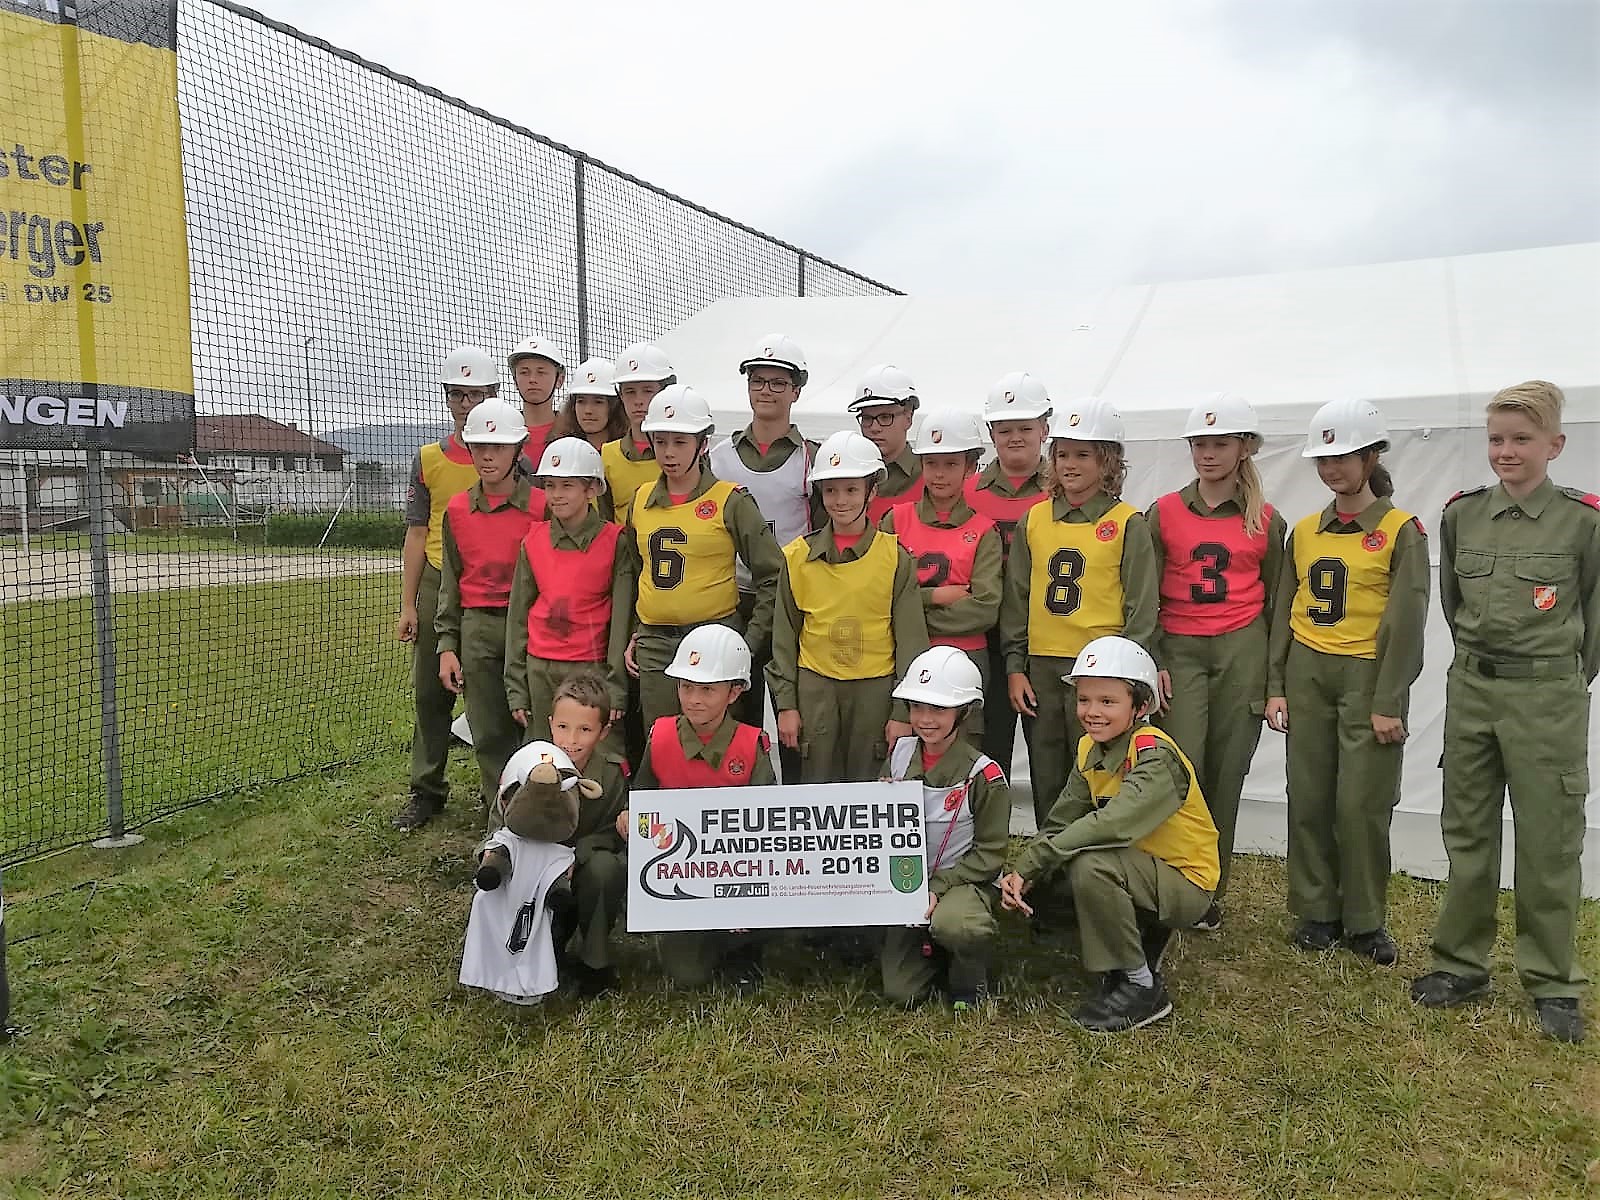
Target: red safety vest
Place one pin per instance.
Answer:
(533, 448)
(1211, 581)
(943, 556)
(570, 621)
(488, 543)
(1005, 511)
(882, 504)
(675, 769)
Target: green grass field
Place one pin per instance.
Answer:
(218, 688)
(261, 1001)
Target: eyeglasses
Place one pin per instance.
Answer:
(768, 385)
(879, 420)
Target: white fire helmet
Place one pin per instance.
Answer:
(948, 431)
(1017, 396)
(1114, 658)
(677, 408)
(942, 676)
(642, 363)
(468, 366)
(778, 350)
(884, 385)
(593, 377)
(1092, 419)
(712, 654)
(536, 345)
(1344, 426)
(1221, 415)
(495, 422)
(848, 455)
(572, 458)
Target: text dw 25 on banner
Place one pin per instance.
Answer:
(94, 262)
(777, 857)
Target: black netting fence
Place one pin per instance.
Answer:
(347, 227)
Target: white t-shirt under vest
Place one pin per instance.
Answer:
(783, 495)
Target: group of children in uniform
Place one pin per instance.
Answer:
(903, 609)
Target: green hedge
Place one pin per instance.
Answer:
(352, 531)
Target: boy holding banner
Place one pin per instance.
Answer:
(966, 805)
(706, 747)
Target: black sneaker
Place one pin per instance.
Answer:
(1157, 940)
(1444, 989)
(1560, 1018)
(1317, 935)
(1124, 1006)
(1211, 922)
(419, 810)
(494, 868)
(969, 986)
(1376, 944)
(593, 981)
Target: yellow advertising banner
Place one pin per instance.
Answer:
(94, 267)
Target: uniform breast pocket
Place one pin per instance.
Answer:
(1546, 568)
(1472, 564)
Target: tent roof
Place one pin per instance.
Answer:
(1429, 340)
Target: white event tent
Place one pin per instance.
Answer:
(1428, 341)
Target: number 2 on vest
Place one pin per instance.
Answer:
(1326, 580)
(666, 562)
(1064, 595)
(933, 569)
(1213, 558)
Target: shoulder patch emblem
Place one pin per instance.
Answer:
(1466, 492)
(1589, 498)
(1106, 530)
(1417, 521)
(764, 742)
(993, 773)
(1375, 541)
(1145, 741)
(706, 509)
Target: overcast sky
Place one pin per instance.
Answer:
(955, 147)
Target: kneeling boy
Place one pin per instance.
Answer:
(705, 747)
(1133, 833)
(966, 815)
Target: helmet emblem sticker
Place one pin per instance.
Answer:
(925, 677)
(668, 410)
(1327, 437)
(1088, 660)
(1211, 418)
(555, 460)
(694, 658)
(633, 364)
(937, 436)
(1073, 419)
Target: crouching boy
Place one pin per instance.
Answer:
(1133, 834)
(705, 747)
(966, 815)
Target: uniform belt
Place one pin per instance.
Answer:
(490, 609)
(680, 630)
(1522, 668)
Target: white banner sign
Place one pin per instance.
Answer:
(777, 857)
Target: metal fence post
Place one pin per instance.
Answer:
(583, 264)
(105, 653)
(801, 282)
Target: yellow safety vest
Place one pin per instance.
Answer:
(1343, 585)
(1187, 840)
(624, 477)
(446, 478)
(687, 554)
(1075, 589)
(847, 625)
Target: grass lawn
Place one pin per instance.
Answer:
(218, 688)
(261, 1001)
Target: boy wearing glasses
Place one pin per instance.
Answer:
(884, 403)
(439, 472)
(772, 461)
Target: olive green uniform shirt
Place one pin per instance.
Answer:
(1271, 565)
(905, 616)
(904, 469)
(1400, 629)
(597, 819)
(1500, 559)
(525, 592)
(1140, 580)
(761, 773)
(978, 612)
(1153, 790)
(447, 620)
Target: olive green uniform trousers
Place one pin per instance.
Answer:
(1343, 786)
(495, 734)
(1113, 889)
(434, 703)
(1219, 687)
(1531, 733)
(963, 923)
(1056, 732)
(841, 727)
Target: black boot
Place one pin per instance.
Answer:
(418, 811)
(1317, 935)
